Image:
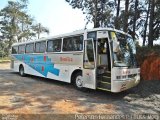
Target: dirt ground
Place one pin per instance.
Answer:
(35, 95)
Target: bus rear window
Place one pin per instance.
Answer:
(15, 50)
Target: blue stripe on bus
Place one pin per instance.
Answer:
(39, 63)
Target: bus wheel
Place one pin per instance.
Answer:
(21, 71)
(78, 81)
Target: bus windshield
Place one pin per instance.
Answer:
(125, 53)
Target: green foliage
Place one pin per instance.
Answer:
(38, 29)
(13, 16)
(4, 59)
(17, 25)
(156, 30)
(97, 11)
(4, 48)
(133, 18)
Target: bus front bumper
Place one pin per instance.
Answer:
(121, 85)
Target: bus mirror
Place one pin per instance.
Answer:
(115, 46)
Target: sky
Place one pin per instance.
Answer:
(57, 15)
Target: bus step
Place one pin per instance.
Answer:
(105, 85)
(107, 73)
(103, 89)
(106, 79)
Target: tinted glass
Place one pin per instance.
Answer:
(40, 47)
(89, 54)
(21, 49)
(54, 45)
(92, 35)
(30, 48)
(125, 52)
(73, 43)
(37, 47)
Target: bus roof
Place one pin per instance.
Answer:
(70, 34)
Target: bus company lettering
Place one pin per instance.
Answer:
(66, 59)
(126, 72)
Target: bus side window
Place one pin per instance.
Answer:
(30, 48)
(78, 43)
(21, 49)
(37, 47)
(67, 44)
(54, 45)
(40, 47)
(57, 45)
(73, 43)
(50, 46)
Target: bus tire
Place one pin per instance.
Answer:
(78, 81)
(21, 71)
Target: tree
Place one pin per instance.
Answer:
(16, 24)
(11, 17)
(146, 24)
(4, 48)
(116, 23)
(135, 18)
(150, 37)
(125, 21)
(153, 15)
(156, 24)
(97, 11)
(38, 29)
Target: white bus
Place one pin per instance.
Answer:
(100, 58)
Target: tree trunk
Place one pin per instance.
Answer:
(117, 15)
(150, 38)
(125, 25)
(135, 18)
(145, 25)
(102, 14)
(96, 22)
(39, 30)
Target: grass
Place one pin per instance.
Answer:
(5, 59)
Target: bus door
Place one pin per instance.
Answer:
(89, 71)
(103, 65)
(103, 55)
